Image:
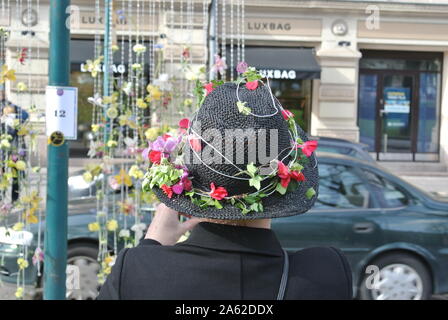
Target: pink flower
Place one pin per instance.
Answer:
(38, 256)
(217, 193)
(113, 183)
(242, 67)
(296, 175)
(209, 87)
(184, 123)
(287, 114)
(283, 174)
(308, 147)
(252, 85)
(220, 64)
(195, 143)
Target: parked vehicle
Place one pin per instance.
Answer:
(385, 226)
(344, 147)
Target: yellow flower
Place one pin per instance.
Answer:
(18, 226)
(112, 144)
(188, 102)
(112, 225)
(136, 67)
(95, 127)
(154, 93)
(94, 66)
(94, 226)
(22, 263)
(21, 86)
(152, 133)
(141, 103)
(20, 165)
(123, 178)
(139, 48)
(112, 113)
(135, 172)
(7, 74)
(4, 143)
(87, 176)
(29, 215)
(115, 48)
(19, 293)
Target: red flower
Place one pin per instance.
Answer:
(308, 147)
(209, 87)
(184, 123)
(195, 144)
(167, 190)
(287, 114)
(166, 136)
(296, 175)
(283, 174)
(217, 193)
(252, 85)
(187, 184)
(155, 156)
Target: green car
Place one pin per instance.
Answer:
(394, 235)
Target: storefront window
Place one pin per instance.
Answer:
(428, 129)
(367, 107)
(399, 104)
(295, 95)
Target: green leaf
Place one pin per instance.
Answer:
(255, 182)
(242, 108)
(252, 169)
(280, 189)
(310, 193)
(217, 204)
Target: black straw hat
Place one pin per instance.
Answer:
(218, 117)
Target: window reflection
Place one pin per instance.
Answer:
(340, 187)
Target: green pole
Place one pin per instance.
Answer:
(57, 169)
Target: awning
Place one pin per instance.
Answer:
(284, 63)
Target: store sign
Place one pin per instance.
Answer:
(121, 68)
(62, 111)
(278, 74)
(397, 100)
(279, 26)
(88, 20)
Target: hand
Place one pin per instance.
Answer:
(166, 228)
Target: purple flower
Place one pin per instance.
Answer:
(220, 64)
(165, 144)
(38, 256)
(242, 67)
(5, 208)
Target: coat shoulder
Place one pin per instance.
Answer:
(325, 269)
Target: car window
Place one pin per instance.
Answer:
(347, 151)
(340, 187)
(390, 195)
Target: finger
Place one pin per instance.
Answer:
(190, 224)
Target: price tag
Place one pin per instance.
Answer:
(62, 111)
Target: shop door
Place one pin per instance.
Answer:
(396, 106)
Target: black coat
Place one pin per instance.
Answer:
(226, 262)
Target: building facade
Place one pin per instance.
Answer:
(381, 75)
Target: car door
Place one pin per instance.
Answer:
(344, 215)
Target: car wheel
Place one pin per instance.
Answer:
(82, 272)
(401, 276)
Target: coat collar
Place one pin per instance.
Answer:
(234, 238)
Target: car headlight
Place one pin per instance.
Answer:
(10, 236)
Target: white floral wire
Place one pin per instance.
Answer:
(294, 136)
(272, 97)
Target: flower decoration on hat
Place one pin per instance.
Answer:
(168, 172)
